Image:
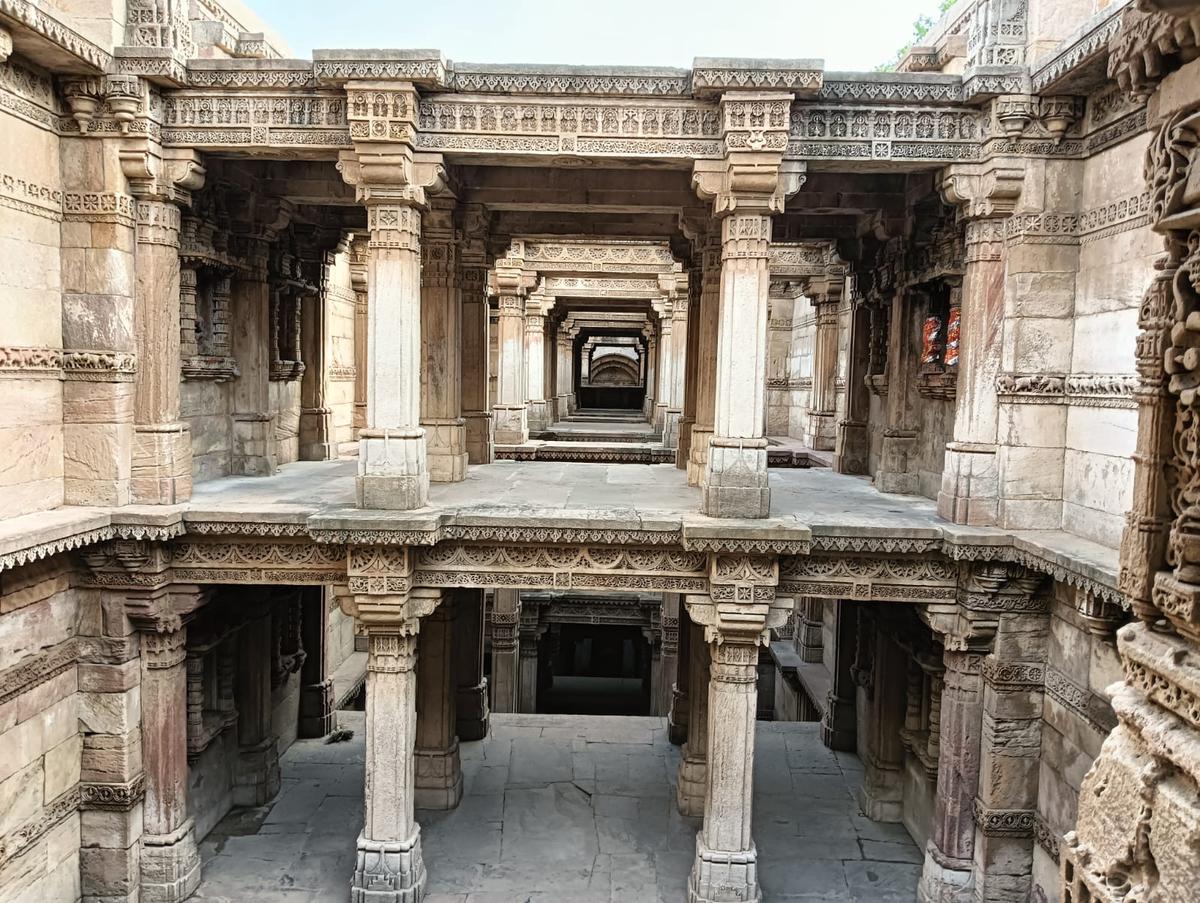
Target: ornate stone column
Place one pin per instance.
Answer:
(472, 261)
(441, 345)
(881, 794)
(678, 367)
(987, 195)
(439, 780)
(391, 180)
(529, 658)
(827, 298)
(689, 375)
(253, 439)
(257, 775)
(809, 639)
(509, 415)
(506, 613)
(850, 451)
(317, 714)
(562, 358)
(664, 372)
(737, 616)
(538, 305)
(358, 282)
(160, 180)
(471, 712)
(668, 643)
(389, 867)
(316, 417)
(650, 405)
(677, 717)
(693, 763)
(839, 724)
(747, 187)
(170, 866)
(704, 366)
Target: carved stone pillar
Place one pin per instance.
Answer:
(946, 875)
(564, 398)
(529, 660)
(688, 375)
(389, 867)
(693, 768)
(839, 726)
(358, 282)
(506, 613)
(822, 412)
(970, 480)
(650, 405)
(668, 643)
(678, 717)
(317, 441)
(170, 862)
(881, 794)
(254, 446)
(391, 180)
(471, 687)
(704, 365)
(536, 309)
(317, 714)
(472, 260)
(441, 346)
(439, 780)
(809, 639)
(161, 471)
(678, 370)
(257, 777)
(747, 187)
(509, 414)
(850, 451)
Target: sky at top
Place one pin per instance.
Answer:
(846, 34)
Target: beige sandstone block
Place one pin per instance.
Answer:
(20, 797)
(1069, 650)
(1039, 426)
(111, 758)
(105, 678)
(1102, 431)
(1102, 527)
(28, 704)
(1041, 294)
(1031, 472)
(62, 841)
(33, 628)
(61, 767)
(1101, 482)
(1038, 345)
(111, 713)
(119, 830)
(1105, 342)
(48, 584)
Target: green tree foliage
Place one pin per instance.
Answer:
(921, 27)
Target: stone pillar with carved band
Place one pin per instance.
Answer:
(736, 618)
(441, 345)
(509, 415)
(537, 307)
(389, 867)
(650, 405)
(439, 780)
(747, 187)
(693, 768)
(687, 420)
(705, 363)
(678, 367)
(826, 294)
(505, 616)
(170, 861)
(317, 440)
(668, 644)
(257, 774)
(471, 687)
(472, 263)
(986, 195)
(160, 180)
(391, 180)
(358, 282)
(529, 658)
(666, 364)
(678, 716)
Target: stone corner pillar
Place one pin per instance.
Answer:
(704, 364)
(747, 187)
(510, 418)
(256, 778)
(987, 195)
(475, 363)
(170, 860)
(439, 780)
(472, 715)
(505, 630)
(161, 181)
(693, 768)
(389, 867)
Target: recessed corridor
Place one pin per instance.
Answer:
(566, 809)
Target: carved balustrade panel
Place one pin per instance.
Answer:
(869, 578)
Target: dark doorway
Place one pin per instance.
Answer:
(598, 670)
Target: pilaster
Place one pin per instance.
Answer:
(822, 415)
(678, 719)
(693, 762)
(472, 262)
(704, 366)
(537, 307)
(441, 344)
(439, 780)
(510, 418)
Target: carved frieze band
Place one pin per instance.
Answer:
(36, 670)
(877, 579)
(1047, 838)
(1003, 675)
(1082, 702)
(26, 835)
(1095, 390)
(1096, 224)
(53, 363)
(112, 797)
(296, 562)
(1004, 822)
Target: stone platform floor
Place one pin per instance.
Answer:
(566, 809)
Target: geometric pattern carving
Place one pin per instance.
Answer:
(869, 578)
(268, 562)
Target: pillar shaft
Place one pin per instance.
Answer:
(506, 611)
(161, 472)
(677, 719)
(529, 657)
(476, 364)
(688, 374)
(705, 364)
(258, 756)
(735, 477)
(471, 713)
(389, 867)
(254, 447)
(170, 866)
(317, 715)
(441, 347)
(535, 370)
(438, 781)
(822, 425)
(693, 769)
(316, 417)
(509, 414)
(392, 464)
(726, 867)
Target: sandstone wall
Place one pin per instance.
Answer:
(31, 229)
(41, 714)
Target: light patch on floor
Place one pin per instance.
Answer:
(566, 809)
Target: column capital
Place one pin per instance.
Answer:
(741, 606)
(392, 175)
(161, 174)
(748, 182)
(984, 191)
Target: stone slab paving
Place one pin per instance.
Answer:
(566, 809)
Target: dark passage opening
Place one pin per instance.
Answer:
(597, 670)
